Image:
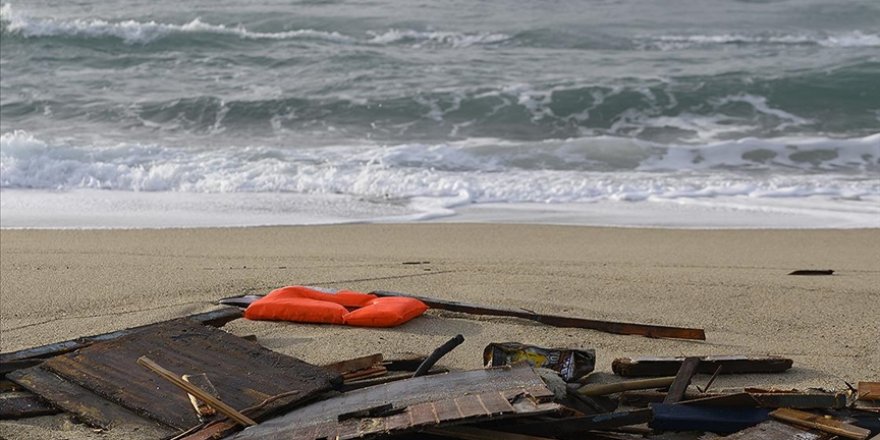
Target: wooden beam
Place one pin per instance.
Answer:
(217, 404)
(822, 423)
(729, 364)
(682, 380)
(620, 328)
(358, 363)
(611, 388)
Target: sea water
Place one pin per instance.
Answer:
(681, 113)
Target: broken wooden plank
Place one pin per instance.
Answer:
(429, 401)
(621, 328)
(358, 363)
(472, 433)
(730, 364)
(812, 272)
(822, 423)
(773, 430)
(201, 380)
(216, 318)
(682, 380)
(603, 389)
(801, 400)
(579, 424)
(21, 404)
(84, 404)
(244, 373)
(215, 403)
(720, 420)
(868, 391)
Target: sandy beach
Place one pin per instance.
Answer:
(60, 284)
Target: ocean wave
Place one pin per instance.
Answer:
(141, 32)
(132, 31)
(479, 170)
(837, 40)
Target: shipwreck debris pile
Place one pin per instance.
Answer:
(188, 379)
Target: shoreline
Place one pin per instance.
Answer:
(61, 284)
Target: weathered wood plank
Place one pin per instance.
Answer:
(21, 404)
(87, 406)
(242, 372)
(868, 391)
(799, 400)
(773, 430)
(682, 380)
(822, 423)
(216, 318)
(425, 399)
(730, 364)
(621, 328)
(358, 363)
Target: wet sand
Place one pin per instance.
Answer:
(57, 285)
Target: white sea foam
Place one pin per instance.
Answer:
(132, 31)
(486, 170)
(454, 39)
(843, 39)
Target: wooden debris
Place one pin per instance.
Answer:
(427, 401)
(215, 318)
(812, 272)
(244, 373)
(801, 400)
(364, 374)
(682, 380)
(868, 391)
(435, 356)
(580, 424)
(86, 405)
(191, 389)
(358, 363)
(773, 430)
(621, 328)
(666, 366)
(705, 418)
(471, 433)
(21, 404)
(201, 381)
(611, 388)
(822, 423)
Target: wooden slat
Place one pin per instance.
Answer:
(811, 400)
(830, 425)
(611, 388)
(21, 404)
(358, 363)
(682, 380)
(426, 398)
(216, 318)
(87, 406)
(621, 328)
(868, 391)
(773, 430)
(216, 403)
(730, 364)
(242, 372)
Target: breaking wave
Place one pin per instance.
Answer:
(477, 170)
(838, 40)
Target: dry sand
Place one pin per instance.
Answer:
(57, 285)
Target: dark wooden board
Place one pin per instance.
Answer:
(667, 366)
(621, 328)
(244, 373)
(806, 400)
(682, 379)
(87, 406)
(424, 401)
(216, 318)
(21, 404)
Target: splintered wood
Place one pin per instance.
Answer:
(421, 402)
(244, 374)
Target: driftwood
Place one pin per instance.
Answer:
(621, 328)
